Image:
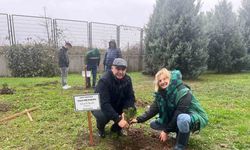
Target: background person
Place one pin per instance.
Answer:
(63, 58)
(111, 53)
(92, 61)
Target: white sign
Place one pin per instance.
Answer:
(87, 102)
(88, 73)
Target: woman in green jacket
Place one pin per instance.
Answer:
(178, 109)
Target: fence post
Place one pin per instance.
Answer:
(118, 36)
(9, 30)
(141, 51)
(90, 35)
(55, 33)
(12, 25)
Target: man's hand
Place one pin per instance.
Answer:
(163, 136)
(123, 123)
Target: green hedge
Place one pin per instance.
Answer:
(31, 60)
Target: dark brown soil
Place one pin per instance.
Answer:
(141, 103)
(136, 139)
(47, 83)
(7, 90)
(4, 107)
(77, 88)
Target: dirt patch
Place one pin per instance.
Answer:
(7, 90)
(82, 140)
(141, 103)
(78, 88)
(4, 107)
(47, 83)
(137, 139)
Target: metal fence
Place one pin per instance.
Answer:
(4, 30)
(22, 29)
(29, 29)
(71, 30)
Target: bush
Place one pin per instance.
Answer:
(31, 60)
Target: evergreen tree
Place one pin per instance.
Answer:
(226, 49)
(174, 38)
(244, 18)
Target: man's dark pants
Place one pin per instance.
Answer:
(102, 120)
(93, 69)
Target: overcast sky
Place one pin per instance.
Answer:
(120, 12)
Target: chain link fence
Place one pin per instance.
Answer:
(4, 30)
(22, 29)
(30, 29)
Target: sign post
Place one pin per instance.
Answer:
(88, 103)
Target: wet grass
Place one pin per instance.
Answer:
(56, 125)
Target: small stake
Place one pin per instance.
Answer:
(29, 115)
(18, 114)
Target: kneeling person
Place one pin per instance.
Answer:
(179, 111)
(116, 93)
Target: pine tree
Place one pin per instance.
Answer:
(244, 18)
(226, 49)
(174, 38)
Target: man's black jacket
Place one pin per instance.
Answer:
(115, 95)
(63, 58)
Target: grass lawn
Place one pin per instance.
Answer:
(56, 125)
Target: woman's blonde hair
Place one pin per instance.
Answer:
(163, 71)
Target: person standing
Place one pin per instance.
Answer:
(111, 53)
(64, 64)
(116, 93)
(92, 61)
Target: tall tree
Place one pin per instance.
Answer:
(174, 38)
(226, 49)
(244, 18)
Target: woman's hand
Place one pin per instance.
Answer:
(163, 136)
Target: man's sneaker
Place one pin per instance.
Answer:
(65, 87)
(101, 133)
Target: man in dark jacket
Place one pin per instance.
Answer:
(92, 61)
(116, 93)
(111, 53)
(63, 60)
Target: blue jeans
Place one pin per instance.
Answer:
(64, 75)
(183, 124)
(93, 69)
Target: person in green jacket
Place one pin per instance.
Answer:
(178, 109)
(92, 61)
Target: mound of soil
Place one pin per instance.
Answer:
(7, 90)
(47, 83)
(4, 107)
(136, 139)
(141, 103)
(78, 88)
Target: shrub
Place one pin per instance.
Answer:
(31, 60)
